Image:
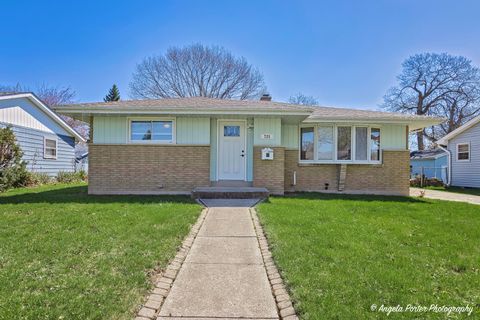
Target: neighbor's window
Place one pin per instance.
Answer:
(325, 143)
(463, 151)
(375, 144)
(361, 143)
(50, 149)
(155, 130)
(307, 143)
(344, 143)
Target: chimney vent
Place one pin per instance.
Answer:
(266, 97)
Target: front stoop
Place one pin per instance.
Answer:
(230, 193)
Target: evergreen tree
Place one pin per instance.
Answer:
(13, 170)
(113, 94)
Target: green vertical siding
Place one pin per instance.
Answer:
(189, 130)
(267, 125)
(213, 149)
(193, 130)
(290, 136)
(250, 136)
(393, 137)
(110, 129)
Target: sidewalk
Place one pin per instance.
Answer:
(223, 276)
(445, 195)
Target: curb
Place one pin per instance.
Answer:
(280, 293)
(156, 297)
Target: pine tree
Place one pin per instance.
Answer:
(113, 94)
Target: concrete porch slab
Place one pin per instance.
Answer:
(225, 250)
(230, 203)
(221, 291)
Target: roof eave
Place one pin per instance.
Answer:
(47, 110)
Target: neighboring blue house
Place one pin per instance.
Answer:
(430, 163)
(463, 145)
(47, 142)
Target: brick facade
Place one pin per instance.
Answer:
(390, 177)
(269, 173)
(148, 169)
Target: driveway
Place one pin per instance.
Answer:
(444, 195)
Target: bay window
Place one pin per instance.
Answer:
(375, 144)
(344, 143)
(325, 143)
(152, 131)
(307, 143)
(329, 143)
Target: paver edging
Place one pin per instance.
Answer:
(164, 282)
(279, 291)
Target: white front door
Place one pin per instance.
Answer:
(231, 150)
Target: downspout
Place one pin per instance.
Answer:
(449, 164)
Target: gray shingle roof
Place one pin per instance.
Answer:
(314, 113)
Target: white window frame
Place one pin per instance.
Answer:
(45, 155)
(335, 143)
(469, 151)
(161, 142)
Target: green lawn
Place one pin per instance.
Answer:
(67, 255)
(341, 254)
(472, 191)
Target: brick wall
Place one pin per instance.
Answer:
(269, 173)
(147, 168)
(390, 177)
(310, 177)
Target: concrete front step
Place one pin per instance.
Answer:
(229, 193)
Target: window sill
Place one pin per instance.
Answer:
(317, 163)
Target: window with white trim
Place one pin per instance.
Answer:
(326, 143)
(49, 148)
(156, 131)
(463, 152)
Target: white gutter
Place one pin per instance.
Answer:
(449, 164)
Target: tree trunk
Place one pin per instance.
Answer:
(420, 143)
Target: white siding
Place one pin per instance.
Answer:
(21, 112)
(466, 173)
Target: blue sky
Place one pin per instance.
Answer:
(345, 53)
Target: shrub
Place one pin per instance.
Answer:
(71, 177)
(427, 182)
(38, 178)
(13, 170)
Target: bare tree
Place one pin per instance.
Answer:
(302, 99)
(436, 84)
(52, 96)
(196, 71)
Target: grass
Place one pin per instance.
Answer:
(67, 255)
(341, 254)
(471, 191)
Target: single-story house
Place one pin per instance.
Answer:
(47, 142)
(429, 163)
(463, 145)
(175, 145)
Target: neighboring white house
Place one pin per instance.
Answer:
(47, 142)
(463, 145)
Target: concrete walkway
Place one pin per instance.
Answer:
(445, 195)
(223, 276)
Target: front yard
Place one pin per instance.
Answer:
(340, 255)
(66, 255)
